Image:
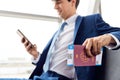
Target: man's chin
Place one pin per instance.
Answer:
(60, 15)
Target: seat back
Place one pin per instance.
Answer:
(112, 68)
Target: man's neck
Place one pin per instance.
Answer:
(73, 13)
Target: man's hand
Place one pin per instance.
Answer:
(31, 49)
(93, 45)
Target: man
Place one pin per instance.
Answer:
(90, 31)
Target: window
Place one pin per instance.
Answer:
(44, 7)
(14, 58)
(15, 61)
(111, 12)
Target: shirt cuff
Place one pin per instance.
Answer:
(113, 46)
(34, 61)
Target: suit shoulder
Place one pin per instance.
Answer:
(93, 15)
(97, 14)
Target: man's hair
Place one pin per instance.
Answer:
(77, 3)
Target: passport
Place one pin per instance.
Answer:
(81, 59)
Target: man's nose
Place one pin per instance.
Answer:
(55, 6)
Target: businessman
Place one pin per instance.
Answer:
(90, 31)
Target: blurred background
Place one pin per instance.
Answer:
(38, 20)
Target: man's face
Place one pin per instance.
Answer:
(64, 8)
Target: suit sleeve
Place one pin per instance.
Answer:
(104, 28)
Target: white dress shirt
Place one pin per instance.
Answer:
(59, 55)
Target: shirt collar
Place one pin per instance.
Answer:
(71, 19)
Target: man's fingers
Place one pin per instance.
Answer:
(94, 48)
(23, 40)
(29, 47)
(26, 43)
(85, 42)
(88, 45)
(99, 46)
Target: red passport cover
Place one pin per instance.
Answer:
(80, 58)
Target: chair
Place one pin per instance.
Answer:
(112, 67)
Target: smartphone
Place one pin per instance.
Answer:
(23, 36)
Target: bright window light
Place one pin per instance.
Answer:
(41, 7)
(111, 12)
(14, 57)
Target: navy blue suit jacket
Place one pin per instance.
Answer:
(85, 27)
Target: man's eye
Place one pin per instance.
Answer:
(58, 2)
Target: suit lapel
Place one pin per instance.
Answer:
(77, 25)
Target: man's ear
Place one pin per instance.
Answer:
(73, 2)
